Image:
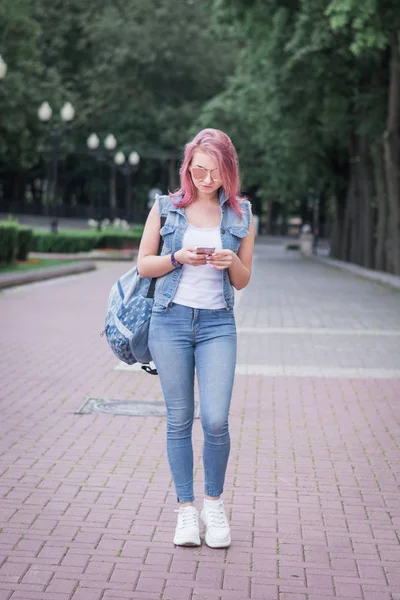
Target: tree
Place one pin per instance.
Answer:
(309, 87)
(129, 68)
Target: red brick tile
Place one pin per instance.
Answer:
(264, 591)
(177, 593)
(127, 576)
(235, 582)
(100, 568)
(87, 594)
(38, 576)
(58, 586)
(150, 584)
(348, 589)
(13, 571)
(121, 595)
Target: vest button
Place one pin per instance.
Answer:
(222, 231)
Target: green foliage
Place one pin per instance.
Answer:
(308, 78)
(73, 241)
(44, 241)
(370, 24)
(24, 242)
(128, 68)
(25, 82)
(8, 241)
(119, 240)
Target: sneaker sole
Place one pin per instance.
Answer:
(220, 544)
(189, 543)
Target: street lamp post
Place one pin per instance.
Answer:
(45, 113)
(102, 152)
(3, 68)
(127, 167)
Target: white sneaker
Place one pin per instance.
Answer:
(218, 532)
(187, 529)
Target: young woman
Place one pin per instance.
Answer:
(208, 240)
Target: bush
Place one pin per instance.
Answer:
(118, 240)
(24, 242)
(293, 246)
(64, 242)
(8, 242)
(72, 241)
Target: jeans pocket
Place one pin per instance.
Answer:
(223, 313)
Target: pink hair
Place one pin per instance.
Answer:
(218, 145)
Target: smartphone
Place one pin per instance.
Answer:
(204, 250)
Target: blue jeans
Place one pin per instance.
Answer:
(180, 339)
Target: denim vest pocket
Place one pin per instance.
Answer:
(237, 234)
(167, 233)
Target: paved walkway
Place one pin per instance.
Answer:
(87, 504)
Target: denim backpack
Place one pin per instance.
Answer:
(128, 317)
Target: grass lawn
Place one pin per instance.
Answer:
(33, 263)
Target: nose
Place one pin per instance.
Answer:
(208, 178)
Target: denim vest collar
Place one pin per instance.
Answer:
(181, 210)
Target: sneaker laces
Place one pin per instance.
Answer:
(187, 518)
(216, 514)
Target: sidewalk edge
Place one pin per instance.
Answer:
(11, 279)
(379, 276)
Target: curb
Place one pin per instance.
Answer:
(379, 276)
(11, 279)
(94, 255)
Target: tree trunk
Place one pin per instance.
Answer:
(337, 227)
(270, 215)
(353, 251)
(381, 263)
(345, 238)
(366, 198)
(350, 242)
(392, 157)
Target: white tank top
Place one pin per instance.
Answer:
(201, 287)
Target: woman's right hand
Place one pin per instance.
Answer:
(187, 256)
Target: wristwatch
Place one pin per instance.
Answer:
(176, 264)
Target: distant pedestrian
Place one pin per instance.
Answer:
(208, 240)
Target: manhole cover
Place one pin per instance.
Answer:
(131, 408)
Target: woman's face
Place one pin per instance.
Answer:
(206, 175)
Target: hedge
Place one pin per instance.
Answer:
(119, 240)
(8, 241)
(24, 242)
(17, 241)
(69, 242)
(45, 241)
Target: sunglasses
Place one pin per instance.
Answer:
(200, 173)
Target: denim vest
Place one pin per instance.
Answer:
(233, 229)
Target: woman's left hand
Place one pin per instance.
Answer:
(222, 259)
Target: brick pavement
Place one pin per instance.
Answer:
(87, 503)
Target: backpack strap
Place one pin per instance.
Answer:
(150, 293)
(147, 368)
